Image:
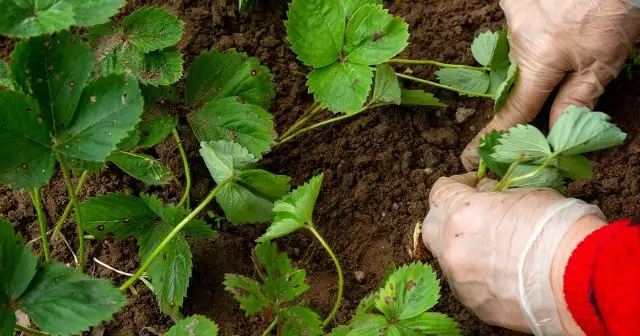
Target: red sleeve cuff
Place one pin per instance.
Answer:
(602, 280)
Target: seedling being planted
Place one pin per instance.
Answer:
(523, 157)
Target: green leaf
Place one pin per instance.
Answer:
(112, 56)
(53, 70)
(374, 36)
(340, 331)
(294, 210)
(351, 6)
(214, 75)
(505, 87)
(243, 5)
(155, 126)
(192, 326)
(316, 31)
(464, 79)
(233, 120)
(387, 87)
(575, 167)
(7, 319)
(522, 140)
(341, 87)
(17, 264)
(486, 149)
(410, 291)
(109, 109)
(367, 304)
(248, 292)
(483, 47)
(159, 94)
(547, 178)
(223, 158)
(160, 67)
(368, 325)
(85, 11)
(500, 62)
(153, 28)
(131, 141)
(173, 215)
(83, 301)
(419, 97)
(579, 131)
(142, 167)
(27, 160)
(5, 76)
(298, 320)
(429, 324)
(118, 214)
(282, 282)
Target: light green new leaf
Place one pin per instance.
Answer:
(173, 215)
(409, 291)
(215, 75)
(53, 70)
(77, 303)
(5, 76)
(374, 36)
(160, 67)
(316, 31)
(341, 87)
(522, 140)
(575, 167)
(368, 325)
(118, 214)
(579, 131)
(192, 326)
(464, 79)
(26, 161)
(505, 87)
(298, 320)
(547, 178)
(429, 324)
(152, 29)
(294, 210)
(351, 6)
(500, 62)
(155, 126)
(483, 46)
(419, 97)
(17, 264)
(282, 282)
(486, 149)
(247, 292)
(109, 109)
(386, 88)
(142, 167)
(233, 120)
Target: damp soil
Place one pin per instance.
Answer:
(378, 169)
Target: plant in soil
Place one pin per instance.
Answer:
(524, 157)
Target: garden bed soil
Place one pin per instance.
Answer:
(378, 168)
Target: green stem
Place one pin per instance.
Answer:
(338, 269)
(508, 181)
(187, 172)
(271, 326)
(29, 331)
(442, 86)
(76, 204)
(67, 210)
(173, 233)
(482, 170)
(439, 64)
(310, 113)
(35, 197)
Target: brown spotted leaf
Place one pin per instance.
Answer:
(118, 214)
(409, 291)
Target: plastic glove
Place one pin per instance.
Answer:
(582, 44)
(504, 254)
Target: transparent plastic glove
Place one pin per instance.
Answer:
(503, 254)
(578, 45)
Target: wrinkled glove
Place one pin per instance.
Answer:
(504, 253)
(582, 44)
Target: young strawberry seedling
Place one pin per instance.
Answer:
(525, 158)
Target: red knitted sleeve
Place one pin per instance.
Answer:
(602, 280)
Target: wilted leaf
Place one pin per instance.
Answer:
(341, 87)
(387, 87)
(142, 167)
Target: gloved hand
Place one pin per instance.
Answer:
(582, 44)
(504, 254)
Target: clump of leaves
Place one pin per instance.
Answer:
(194, 325)
(49, 291)
(143, 46)
(525, 158)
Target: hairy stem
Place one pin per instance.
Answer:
(76, 205)
(187, 172)
(172, 234)
(338, 269)
(35, 197)
(29, 331)
(67, 210)
(439, 64)
(442, 86)
(310, 113)
(271, 326)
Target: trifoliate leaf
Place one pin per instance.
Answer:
(316, 31)
(419, 97)
(524, 141)
(109, 109)
(192, 326)
(369, 325)
(26, 161)
(161, 67)
(374, 36)
(142, 167)
(233, 120)
(282, 282)
(298, 320)
(151, 29)
(159, 94)
(575, 167)
(505, 87)
(294, 210)
(243, 5)
(579, 131)
(341, 87)
(429, 324)
(486, 149)
(83, 301)
(387, 87)
(340, 331)
(483, 46)
(5, 76)
(173, 215)
(499, 62)
(410, 291)
(155, 126)
(53, 70)
(351, 6)
(474, 81)
(17, 264)
(215, 75)
(247, 292)
(118, 214)
(547, 178)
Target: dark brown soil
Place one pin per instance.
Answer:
(378, 168)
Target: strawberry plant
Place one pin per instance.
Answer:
(523, 157)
